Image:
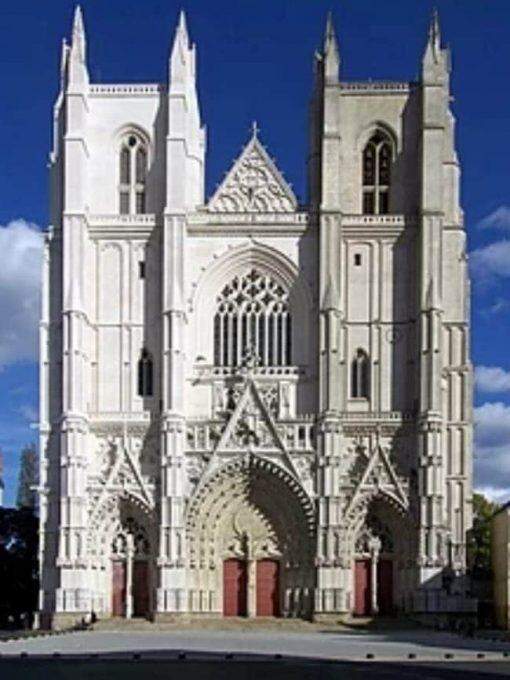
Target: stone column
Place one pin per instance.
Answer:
(375, 549)
(130, 554)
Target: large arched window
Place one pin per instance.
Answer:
(377, 157)
(360, 375)
(132, 175)
(252, 321)
(145, 374)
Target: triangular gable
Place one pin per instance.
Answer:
(379, 474)
(253, 185)
(251, 424)
(116, 477)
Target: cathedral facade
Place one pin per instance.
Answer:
(252, 407)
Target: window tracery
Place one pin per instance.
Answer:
(132, 175)
(252, 322)
(377, 159)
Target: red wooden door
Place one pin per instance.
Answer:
(118, 588)
(362, 588)
(385, 586)
(268, 588)
(235, 584)
(140, 588)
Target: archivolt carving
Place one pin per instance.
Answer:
(250, 504)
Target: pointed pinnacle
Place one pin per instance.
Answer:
(330, 34)
(78, 28)
(434, 29)
(182, 25)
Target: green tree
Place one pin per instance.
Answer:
(479, 541)
(28, 476)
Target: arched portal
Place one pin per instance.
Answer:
(383, 553)
(122, 540)
(250, 530)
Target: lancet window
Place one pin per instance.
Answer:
(253, 322)
(360, 377)
(132, 175)
(377, 158)
(145, 374)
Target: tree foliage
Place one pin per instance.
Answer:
(480, 536)
(18, 565)
(28, 476)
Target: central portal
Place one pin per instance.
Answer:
(250, 542)
(237, 582)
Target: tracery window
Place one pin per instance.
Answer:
(132, 175)
(145, 374)
(253, 319)
(377, 157)
(360, 378)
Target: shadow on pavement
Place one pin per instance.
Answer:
(207, 666)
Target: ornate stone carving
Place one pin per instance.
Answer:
(254, 184)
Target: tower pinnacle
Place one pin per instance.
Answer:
(331, 52)
(78, 39)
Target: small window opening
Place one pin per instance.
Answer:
(145, 374)
(357, 259)
(141, 269)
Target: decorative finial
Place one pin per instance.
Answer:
(255, 129)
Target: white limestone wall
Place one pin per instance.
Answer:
(113, 111)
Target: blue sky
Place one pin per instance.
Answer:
(255, 62)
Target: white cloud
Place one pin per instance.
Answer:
(492, 448)
(498, 219)
(491, 261)
(21, 246)
(492, 379)
(493, 494)
(28, 412)
(499, 306)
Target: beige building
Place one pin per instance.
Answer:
(500, 555)
(251, 406)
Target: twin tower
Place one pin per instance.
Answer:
(251, 407)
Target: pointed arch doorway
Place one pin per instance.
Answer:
(373, 569)
(255, 524)
(130, 552)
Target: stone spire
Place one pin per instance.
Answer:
(331, 52)
(435, 63)
(182, 57)
(78, 73)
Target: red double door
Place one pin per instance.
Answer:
(235, 588)
(363, 587)
(140, 588)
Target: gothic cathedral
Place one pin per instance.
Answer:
(252, 407)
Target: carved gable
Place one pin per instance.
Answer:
(251, 424)
(254, 184)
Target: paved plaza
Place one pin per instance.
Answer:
(326, 645)
(270, 653)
